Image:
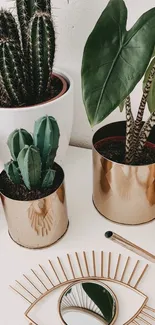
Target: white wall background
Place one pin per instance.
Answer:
(74, 20)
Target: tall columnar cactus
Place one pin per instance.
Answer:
(12, 71)
(25, 10)
(8, 26)
(46, 138)
(41, 46)
(27, 46)
(17, 140)
(34, 157)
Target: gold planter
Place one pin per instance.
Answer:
(39, 223)
(123, 194)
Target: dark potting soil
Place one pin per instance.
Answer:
(21, 193)
(115, 151)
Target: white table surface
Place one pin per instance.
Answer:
(86, 232)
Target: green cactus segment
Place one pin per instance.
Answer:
(22, 13)
(46, 138)
(41, 54)
(29, 162)
(4, 97)
(12, 172)
(8, 26)
(12, 72)
(17, 140)
(48, 178)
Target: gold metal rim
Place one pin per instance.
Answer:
(83, 281)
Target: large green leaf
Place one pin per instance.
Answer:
(115, 59)
(102, 298)
(151, 97)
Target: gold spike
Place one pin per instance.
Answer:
(30, 302)
(32, 284)
(39, 279)
(94, 263)
(54, 271)
(133, 272)
(149, 308)
(117, 267)
(125, 268)
(71, 266)
(140, 278)
(102, 264)
(109, 265)
(147, 315)
(62, 268)
(78, 260)
(86, 263)
(46, 275)
(26, 289)
(143, 320)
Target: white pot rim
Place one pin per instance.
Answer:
(62, 73)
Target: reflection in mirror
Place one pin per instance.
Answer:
(88, 302)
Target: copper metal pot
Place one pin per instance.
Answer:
(123, 194)
(39, 223)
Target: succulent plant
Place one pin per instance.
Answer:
(46, 138)
(34, 156)
(29, 162)
(26, 45)
(17, 140)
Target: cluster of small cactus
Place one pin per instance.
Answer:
(33, 156)
(27, 49)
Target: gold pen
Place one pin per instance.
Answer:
(129, 245)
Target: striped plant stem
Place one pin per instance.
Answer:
(129, 131)
(144, 134)
(139, 119)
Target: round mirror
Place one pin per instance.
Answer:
(88, 302)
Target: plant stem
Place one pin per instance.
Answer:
(129, 131)
(139, 118)
(144, 134)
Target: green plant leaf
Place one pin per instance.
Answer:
(151, 97)
(121, 106)
(114, 59)
(102, 299)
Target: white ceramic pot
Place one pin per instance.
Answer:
(61, 108)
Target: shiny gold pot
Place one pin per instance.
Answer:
(123, 194)
(39, 223)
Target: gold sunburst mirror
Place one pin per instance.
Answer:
(92, 288)
(88, 302)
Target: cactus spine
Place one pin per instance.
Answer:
(8, 26)
(29, 162)
(31, 154)
(17, 140)
(41, 46)
(12, 71)
(27, 46)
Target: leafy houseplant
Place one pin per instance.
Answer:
(27, 52)
(33, 176)
(114, 61)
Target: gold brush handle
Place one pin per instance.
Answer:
(129, 245)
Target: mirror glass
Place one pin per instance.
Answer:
(88, 302)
